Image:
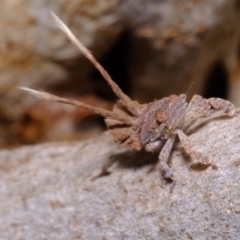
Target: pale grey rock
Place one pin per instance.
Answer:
(47, 193)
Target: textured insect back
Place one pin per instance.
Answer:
(176, 112)
(197, 107)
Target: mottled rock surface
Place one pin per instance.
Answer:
(47, 193)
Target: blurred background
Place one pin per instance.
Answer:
(151, 48)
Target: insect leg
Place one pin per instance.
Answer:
(201, 107)
(164, 156)
(219, 104)
(155, 146)
(188, 147)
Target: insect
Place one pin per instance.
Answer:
(152, 126)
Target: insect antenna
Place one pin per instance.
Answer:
(189, 88)
(132, 107)
(103, 112)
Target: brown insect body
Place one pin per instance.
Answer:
(153, 126)
(154, 123)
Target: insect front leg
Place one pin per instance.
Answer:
(164, 156)
(188, 147)
(155, 146)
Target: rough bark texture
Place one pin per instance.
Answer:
(47, 193)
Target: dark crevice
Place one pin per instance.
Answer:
(114, 61)
(237, 4)
(216, 82)
(239, 51)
